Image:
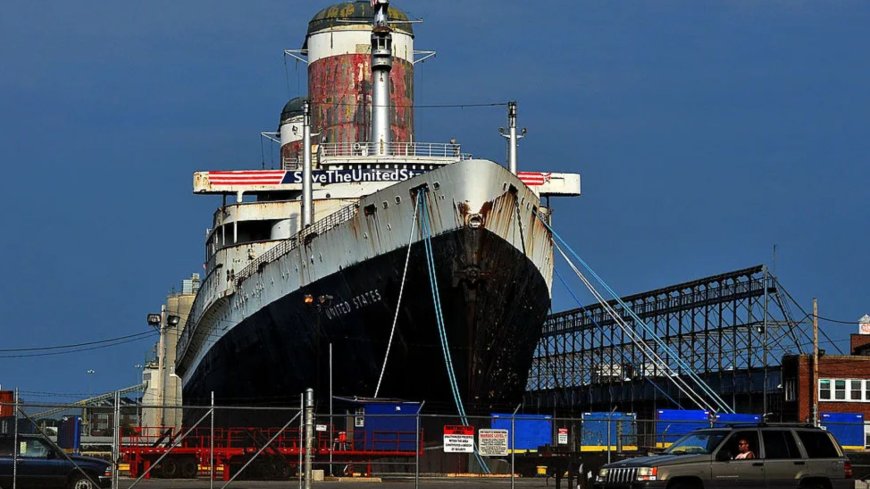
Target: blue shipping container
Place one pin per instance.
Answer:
(594, 432)
(69, 433)
(533, 430)
(671, 424)
(847, 428)
(726, 419)
(387, 426)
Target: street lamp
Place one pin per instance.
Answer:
(90, 372)
(86, 422)
(138, 368)
(322, 301)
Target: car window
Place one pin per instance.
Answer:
(32, 448)
(818, 444)
(779, 444)
(693, 443)
(742, 445)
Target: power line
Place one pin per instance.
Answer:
(59, 347)
(75, 350)
(854, 323)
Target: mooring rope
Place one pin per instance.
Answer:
(426, 229)
(399, 300)
(722, 405)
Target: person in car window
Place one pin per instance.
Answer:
(745, 452)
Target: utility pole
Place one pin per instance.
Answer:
(815, 386)
(764, 345)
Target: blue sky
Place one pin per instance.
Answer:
(705, 133)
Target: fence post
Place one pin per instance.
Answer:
(331, 419)
(417, 448)
(514, 446)
(609, 417)
(15, 442)
(211, 460)
(116, 440)
(301, 434)
(309, 433)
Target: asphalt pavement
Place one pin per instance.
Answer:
(357, 483)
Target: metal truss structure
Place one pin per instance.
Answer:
(731, 329)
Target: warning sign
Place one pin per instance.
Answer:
(458, 439)
(492, 443)
(563, 436)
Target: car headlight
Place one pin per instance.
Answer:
(647, 473)
(602, 473)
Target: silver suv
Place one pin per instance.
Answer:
(779, 456)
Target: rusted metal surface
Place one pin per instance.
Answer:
(456, 193)
(340, 91)
(346, 13)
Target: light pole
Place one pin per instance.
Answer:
(322, 302)
(138, 368)
(90, 374)
(86, 423)
(139, 380)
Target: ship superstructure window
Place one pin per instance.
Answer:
(253, 231)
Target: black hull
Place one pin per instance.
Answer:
(494, 302)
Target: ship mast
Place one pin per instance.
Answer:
(382, 64)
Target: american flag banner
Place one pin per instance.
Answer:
(534, 177)
(246, 177)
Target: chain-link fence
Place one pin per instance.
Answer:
(120, 443)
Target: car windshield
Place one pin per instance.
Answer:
(697, 443)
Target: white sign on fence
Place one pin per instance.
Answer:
(492, 443)
(563, 436)
(458, 439)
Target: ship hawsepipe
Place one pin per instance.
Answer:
(263, 344)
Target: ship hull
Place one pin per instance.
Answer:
(493, 297)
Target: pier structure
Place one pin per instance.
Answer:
(731, 329)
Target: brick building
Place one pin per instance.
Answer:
(843, 381)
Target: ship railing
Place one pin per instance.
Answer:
(205, 296)
(409, 148)
(304, 236)
(208, 289)
(443, 152)
(407, 151)
(294, 160)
